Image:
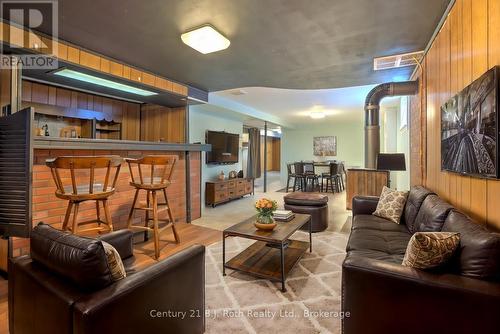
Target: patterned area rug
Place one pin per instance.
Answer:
(240, 303)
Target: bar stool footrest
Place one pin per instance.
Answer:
(160, 220)
(146, 208)
(99, 229)
(147, 228)
(93, 221)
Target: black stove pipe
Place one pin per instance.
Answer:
(372, 121)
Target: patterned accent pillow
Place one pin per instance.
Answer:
(391, 204)
(114, 262)
(430, 249)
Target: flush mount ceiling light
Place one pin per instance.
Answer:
(71, 74)
(317, 114)
(205, 39)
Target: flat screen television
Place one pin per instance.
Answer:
(469, 129)
(225, 147)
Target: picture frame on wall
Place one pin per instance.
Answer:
(469, 129)
(325, 146)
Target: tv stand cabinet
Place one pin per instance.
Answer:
(217, 192)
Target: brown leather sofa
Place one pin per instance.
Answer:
(65, 287)
(315, 205)
(382, 296)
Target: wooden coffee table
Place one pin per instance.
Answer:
(273, 255)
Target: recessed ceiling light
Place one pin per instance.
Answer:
(102, 82)
(205, 39)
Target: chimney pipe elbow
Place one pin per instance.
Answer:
(372, 107)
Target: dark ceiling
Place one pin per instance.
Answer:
(303, 44)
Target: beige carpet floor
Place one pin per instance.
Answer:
(240, 303)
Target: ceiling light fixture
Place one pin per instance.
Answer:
(317, 114)
(205, 39)
(71, 74)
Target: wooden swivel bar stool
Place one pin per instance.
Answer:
(99, 189)
(155, 173)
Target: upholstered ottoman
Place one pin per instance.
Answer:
(315, 205)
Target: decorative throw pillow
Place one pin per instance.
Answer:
(114, 262)
(391, 204)
(430, 249)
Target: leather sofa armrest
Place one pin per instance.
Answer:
(364, 205)
(383, 297)
(122, 240)
(168, 295)
(30, 283)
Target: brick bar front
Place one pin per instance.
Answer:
(47, 208)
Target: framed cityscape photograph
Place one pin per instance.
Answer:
(469, 129)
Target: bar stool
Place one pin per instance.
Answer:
(332, 178)
(342, 173)
(159, 168)
(83, 168)
(298, 170)
(310, 175)
(290, 175)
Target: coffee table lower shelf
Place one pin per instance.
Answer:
(263, 261)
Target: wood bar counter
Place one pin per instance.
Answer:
(49, 209)
(184, 193)
(365, 182)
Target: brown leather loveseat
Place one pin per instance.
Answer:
(382, 296)
(65, 287)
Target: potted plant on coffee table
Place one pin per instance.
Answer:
(265, 208)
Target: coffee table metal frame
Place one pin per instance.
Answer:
(282, 245)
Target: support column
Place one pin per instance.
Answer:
(187, 156)
(265, 156)
(372, 136)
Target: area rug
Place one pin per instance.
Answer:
(240, 303)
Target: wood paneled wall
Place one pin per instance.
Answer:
(146, 122)
(163, 124)
(466, 47)
(75, 104)
(74, 54)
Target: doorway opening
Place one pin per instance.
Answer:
(268, 176)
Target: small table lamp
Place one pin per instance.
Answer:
(391, 162)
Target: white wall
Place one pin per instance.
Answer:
(403, 146)
(202, 118)
(297, 144)
(395, 139)
(389, 137)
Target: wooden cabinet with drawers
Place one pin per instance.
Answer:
(217, 192)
